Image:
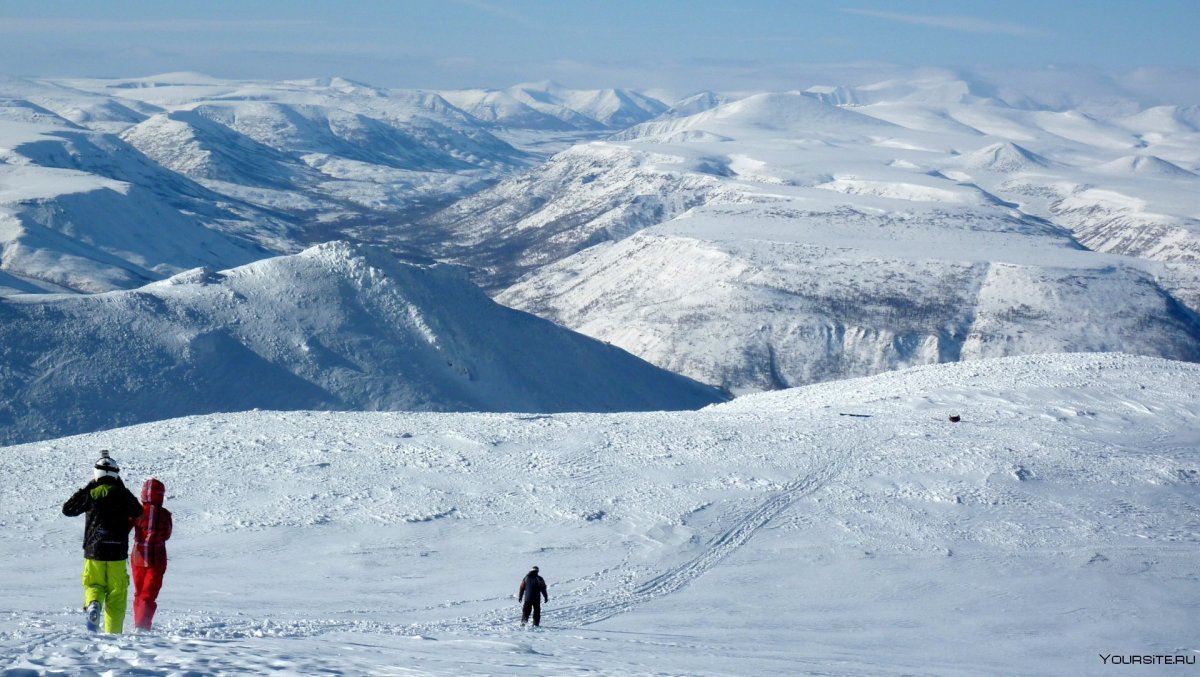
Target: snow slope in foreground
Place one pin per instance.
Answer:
(335, 327)
(1058, 522)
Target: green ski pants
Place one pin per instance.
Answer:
(107, 583)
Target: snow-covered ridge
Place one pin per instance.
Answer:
(550, 107)
(334, 327)
(279, 164)
(846, 528)
(766, 315)
(276, 164)
(593, 193)
(85, 212)
(341, 151)
(764, 114)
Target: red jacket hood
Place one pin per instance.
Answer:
(153, 492)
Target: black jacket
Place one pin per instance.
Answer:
(531, 586)
(111, 510)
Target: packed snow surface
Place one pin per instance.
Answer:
(845, 528)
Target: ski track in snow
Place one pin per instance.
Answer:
(743, 528)
(183, 647)
(192, 636)
(577, 614)
(718, 549)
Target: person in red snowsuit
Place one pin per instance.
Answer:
(150, 534)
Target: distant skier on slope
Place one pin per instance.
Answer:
(531, 594)
(150, 534)
(111, 510)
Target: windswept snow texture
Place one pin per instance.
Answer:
(844, 528)
(335, 327)
(782, 239)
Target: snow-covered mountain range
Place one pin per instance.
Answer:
(1057, 523)
(780, 239)
(211, 172)
(272, 165)
(334, 327)
(747, 240)
(549, 107)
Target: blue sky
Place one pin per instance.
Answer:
(646, 43)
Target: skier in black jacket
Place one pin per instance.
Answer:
(531, 594)
(111, 510)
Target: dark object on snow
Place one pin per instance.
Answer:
(856, 415)
(531, 594)
(110, 509)
(955, 418)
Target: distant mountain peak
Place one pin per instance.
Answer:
(341, 85)
(547, 106)
(800, 113)
(1151, 165)
(696, 103)
(1005, 156)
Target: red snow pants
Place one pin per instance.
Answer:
(147, 581)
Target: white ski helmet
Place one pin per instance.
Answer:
(107, 466)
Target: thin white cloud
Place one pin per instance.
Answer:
(956, 23)
(501, 11)
(26, 25)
